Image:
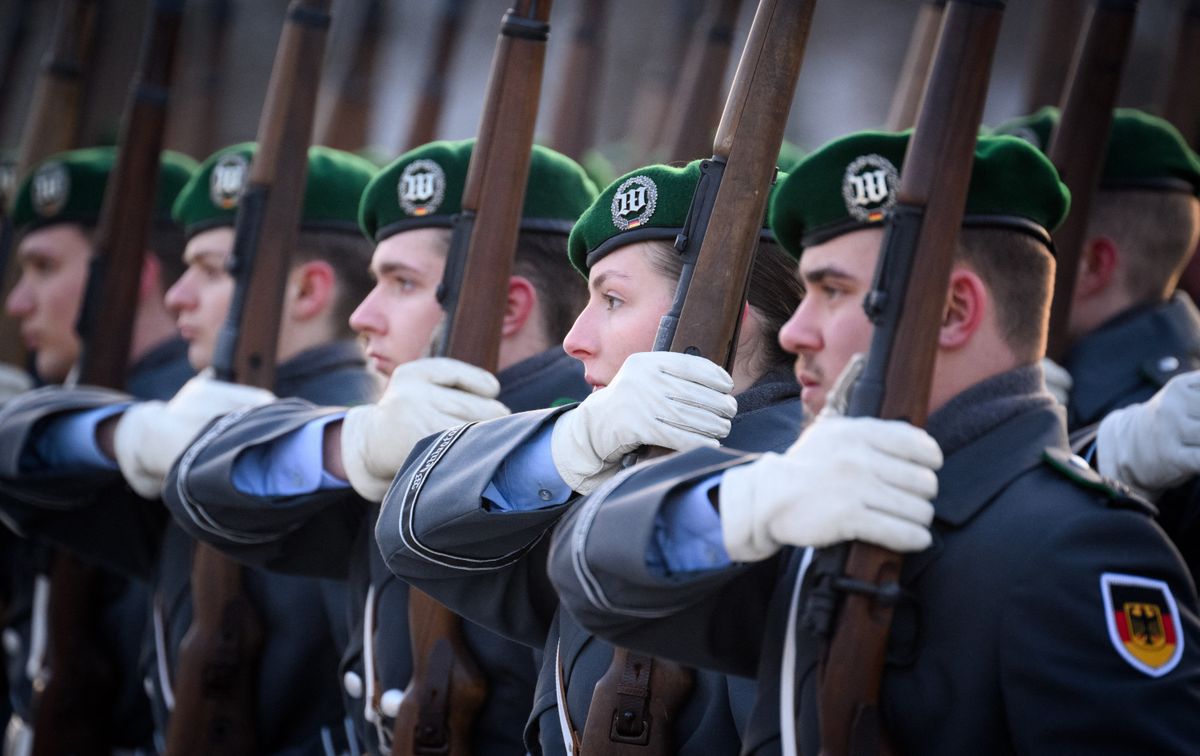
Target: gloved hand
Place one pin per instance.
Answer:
(667, 399)
(422, 398)
(1058, 380)
(1155, 445)
(151, 435)
(844, 479)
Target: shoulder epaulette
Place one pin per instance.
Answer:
(1117, 494)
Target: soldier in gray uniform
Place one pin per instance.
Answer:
(1041, 600)
(468, 519)
(1132, 331)
(295, 487)
(59, 445)
(56, 211)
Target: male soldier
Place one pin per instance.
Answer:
(1041, 600)
(271, 488)
(514, 477)
(1131, 331)
(75, 441)
(56, 211)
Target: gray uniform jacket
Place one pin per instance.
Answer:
(298, 697)
(332, 533)
(436, 531)
(1002, 642)
(1125, 362)
(156, 375)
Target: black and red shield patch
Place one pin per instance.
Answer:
(1143, 622)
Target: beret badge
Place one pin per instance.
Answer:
(637, 196)
(869, 187)
(50, 188)
(227, 180)
(422, 187)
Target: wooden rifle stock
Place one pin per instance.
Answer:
(906, 306)
(915, 70)
(694, 109)
(1051, 65)
(71, 708)
(347, 121)
(574, 129)
(1079, 144)
(447, 688)
(1182, 106)
(217, 678)
(639, 696)
(428, 112)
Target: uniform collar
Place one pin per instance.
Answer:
(1139, 349)
(296, 371)
(539, 381)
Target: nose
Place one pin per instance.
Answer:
(367, 318)
(580, 341)
(182, 294)
(800, 334)
(19, 303)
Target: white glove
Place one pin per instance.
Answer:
(1155, 445)
(13, 381)
(667, 399)
(844, 479)
(150, 436)
(1058, 380)
(422, 398)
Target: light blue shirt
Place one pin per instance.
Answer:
(67, 444)
(687, 531)
(291, 465)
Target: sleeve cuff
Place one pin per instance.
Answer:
(527, 479)
(291, 465)
(68, 443)
(687, 533)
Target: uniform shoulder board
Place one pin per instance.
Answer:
(1074, 468)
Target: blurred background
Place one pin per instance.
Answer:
(376, 67)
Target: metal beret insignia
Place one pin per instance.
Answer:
(1143, 622)
(637, 196)
(49, 188)
(869, 187)
(422, 187)
(227, 180)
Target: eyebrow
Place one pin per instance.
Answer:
(200, 255)
(603, 277)
(391, 268)
(826, 273)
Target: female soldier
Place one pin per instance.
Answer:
(483, 553)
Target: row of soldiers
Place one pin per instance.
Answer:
(1044, 605)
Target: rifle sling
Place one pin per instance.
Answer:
(635, 693)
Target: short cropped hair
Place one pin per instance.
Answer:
(1155, 231)
(349, 254)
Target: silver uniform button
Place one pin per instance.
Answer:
(12, 642)
(148, 686)
(353, 684)
(1168, 364)
(389, 702)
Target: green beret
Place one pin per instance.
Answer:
(789, 155)
(331, 191)
(424, 187)
(649, 203)
(69, 187)
(1144, 151)
(851, 182)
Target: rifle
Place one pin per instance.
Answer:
(193, 128)
(905, 305)
(1079, 143)
(16, 33)
(1182, 107)
(694, 109)
(77, 682)
(915, 68)
(217, 679)
(717, 247)
(429, 103)
(1052, 56)
(346, 123)
(447, 688)
(574, 129)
